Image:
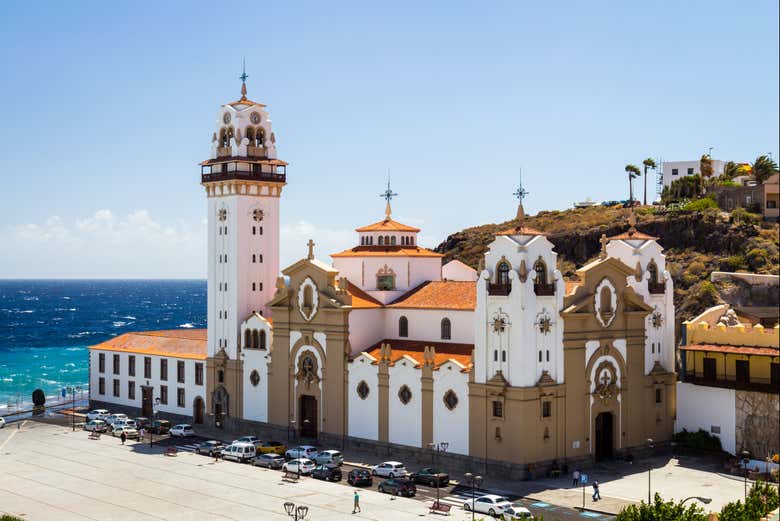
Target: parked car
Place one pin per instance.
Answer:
(2, 422)
(240, 452)
(302, 451)
(269, 460)
(142, 422)
(130, 423)
(398, 487)
(266, 447)
(329, 457)
(491, 504)
(129, 432)
(389, 469)
(304, 466)
(360, 478)
(160, 426)
(209, 447)
(96, 426)
(114, 418)
(327, 472)
(98, 414)
(247, 439)
(517, 513)
(181, 430)
(430, 477)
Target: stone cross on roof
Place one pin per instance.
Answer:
(604, 242)
(520, 193)
(388, 195)
(243, 78)
(310, 244)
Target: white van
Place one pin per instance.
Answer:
(241, 452)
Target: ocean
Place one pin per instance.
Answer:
(46, 326)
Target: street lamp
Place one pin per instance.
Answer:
(649, 470)
(151, 423)
(474, 482)
(704, 500)
(745, 460)
(297, 513)
(73, 390)
(437, 448)
(290, 428)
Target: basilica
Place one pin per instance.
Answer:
(386, 343)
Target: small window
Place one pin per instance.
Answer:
(254, 258)
(503, 355)
(116, 388)
(163, 369)
(102, 362)
(147, 367)
(131, 390)
(308, 298)
(254, 286)
(450, 399)
(199, 373)
(381, 240)
(221, 376)
(446, 329)
(540, 356)
(180, 397)
(102, 385)
(116, 364)
(363, 390)
(164, 394)
(405, 394)
(180, 371)
(690, 171)
(262, 339)
(385, 282)
(260, 258)
(546, 409)
(771, 204)
(254, 378)
(675, 171)
(495, 355)
(131, 365)
(498, 409)
(392, 240)
(658, 396)
(254, 230)
(502, 274)
(548, 355)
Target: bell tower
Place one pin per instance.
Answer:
(243, 180)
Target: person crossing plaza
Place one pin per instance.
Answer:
(356, 507)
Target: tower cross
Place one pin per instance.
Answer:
(388, 195)
(243, 78)
(310, 244)
(520, 193)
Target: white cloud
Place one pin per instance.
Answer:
(295, 236)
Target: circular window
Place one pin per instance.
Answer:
(404, 394)
(254, 378)
(363, 390)
(450, 399)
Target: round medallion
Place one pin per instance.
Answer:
(254, 378)
(254, 118)
(258, 214)
(222, 214)
(226, 118)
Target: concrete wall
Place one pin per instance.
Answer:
(701, 407)
(683, 166)
(405, 421)
(451, 426)
(363, 413)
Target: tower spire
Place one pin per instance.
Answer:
(520, 193)
(243, 78)
(388, 195)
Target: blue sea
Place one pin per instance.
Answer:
(46, 326)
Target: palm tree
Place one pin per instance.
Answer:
(764, 167)
(730, 171)
(633, 172)
(648, 163)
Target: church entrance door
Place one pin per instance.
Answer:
(308, 408)
(146, 401)
(604, 436)
(197, 410)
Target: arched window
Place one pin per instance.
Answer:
(255, 341)
(392, 240)
(381, 240)
(308, 297)
(223, 139)
(387, 240)
(230, 135)
(652, 269)
(250, 135)
(446, 329)
(260, 137)
(247, 338)
(606, 300)
(411, 240)
(403, 327)
(502, 273)
(541, 272)
(262, 339)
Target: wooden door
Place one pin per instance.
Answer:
(146, 402)
(710, 374)
(743, 372)
(308, 408)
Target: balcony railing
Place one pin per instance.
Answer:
(656, 287)
(499, 289)
(243, 171)
(544, 289)
(764, 386)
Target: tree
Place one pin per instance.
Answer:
(730, 171)
(705, 168)
(647, 163)
(761, 500)
(764, 167)
(38, 397)
(633, 172)
(661, 510)
(687, 187)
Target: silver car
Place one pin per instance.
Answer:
(269, 460)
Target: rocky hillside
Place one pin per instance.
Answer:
(696, 244)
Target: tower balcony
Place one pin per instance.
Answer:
(499, 289)
(656, 287)
(268, 170)
(544, 290)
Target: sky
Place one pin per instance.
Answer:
(108, 107)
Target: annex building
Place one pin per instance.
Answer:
(387, 344)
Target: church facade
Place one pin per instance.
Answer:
(509, 362)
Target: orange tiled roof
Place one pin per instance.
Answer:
(440, 294)
(361, 299)
(571, 286)
(632, 234)
(461, 353)
(522, 230)
(388, 225)
(387, 251)
(739, 350)
(178, 343)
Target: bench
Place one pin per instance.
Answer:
(442, 508)
(290, 476)
(94, 435)
(171, 451)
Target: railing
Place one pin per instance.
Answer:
(656, 287)
(761, 387)
(241, 170)
(499, 289)
(544, 289)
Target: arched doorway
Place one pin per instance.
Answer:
(197, 410)
(308, 413)
(604, 442)
(221, 400)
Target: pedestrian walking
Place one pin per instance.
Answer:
(596, 495)
(217, 452)
(141, 434)
(575, 477)
(356, 507)
(123, 437)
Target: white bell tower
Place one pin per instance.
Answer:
(243, 181)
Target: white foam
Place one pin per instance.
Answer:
(186, 326)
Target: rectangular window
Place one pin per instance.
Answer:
(147, 367)
(743, 371)
(540, 356)
(503, 356)
(690, 171)
(198, 373)
(131, 390)
(116, 364)
(548, 355)
(546, 409)
(261, 286)
(254, 286)
(674, 171)
(180, 397)
(771, 204)
(164, 394)
(498, 409)
(495, 355)
(260, 258)
(254, 229)
(658, 396)
(715, 429)
(163, 369)
(102, 362)
(260, 231)
(131, 365)
(180, 371)
(116, 388)
(102, 385)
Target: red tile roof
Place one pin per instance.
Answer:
(632, 234)
(440, 294)
(361, 299)
(739, 350)
(178, 343)
(460, 353)
(387, 225)
(387, 251)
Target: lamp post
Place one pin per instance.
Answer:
(649, 470)
(296, 512)
(474, 482)
(745, 460)
(704, 500)
(151, 423)
(290, 428)
(73, 391)
(436, 449)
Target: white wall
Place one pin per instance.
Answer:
(683, 166)
(702, 407)
(256, 397)
(451, 426)
(363, 414)
(425, 324)
(405, 421)
(456, 270)
(410, 272)
(366, 328)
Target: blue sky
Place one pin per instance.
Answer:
(108, 108)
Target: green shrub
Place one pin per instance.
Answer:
(756, 258)
(740, 215)
(696, 268)
(701, 440)
(733, 263)
(761, 500)
(662, 510)
(702, 204)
